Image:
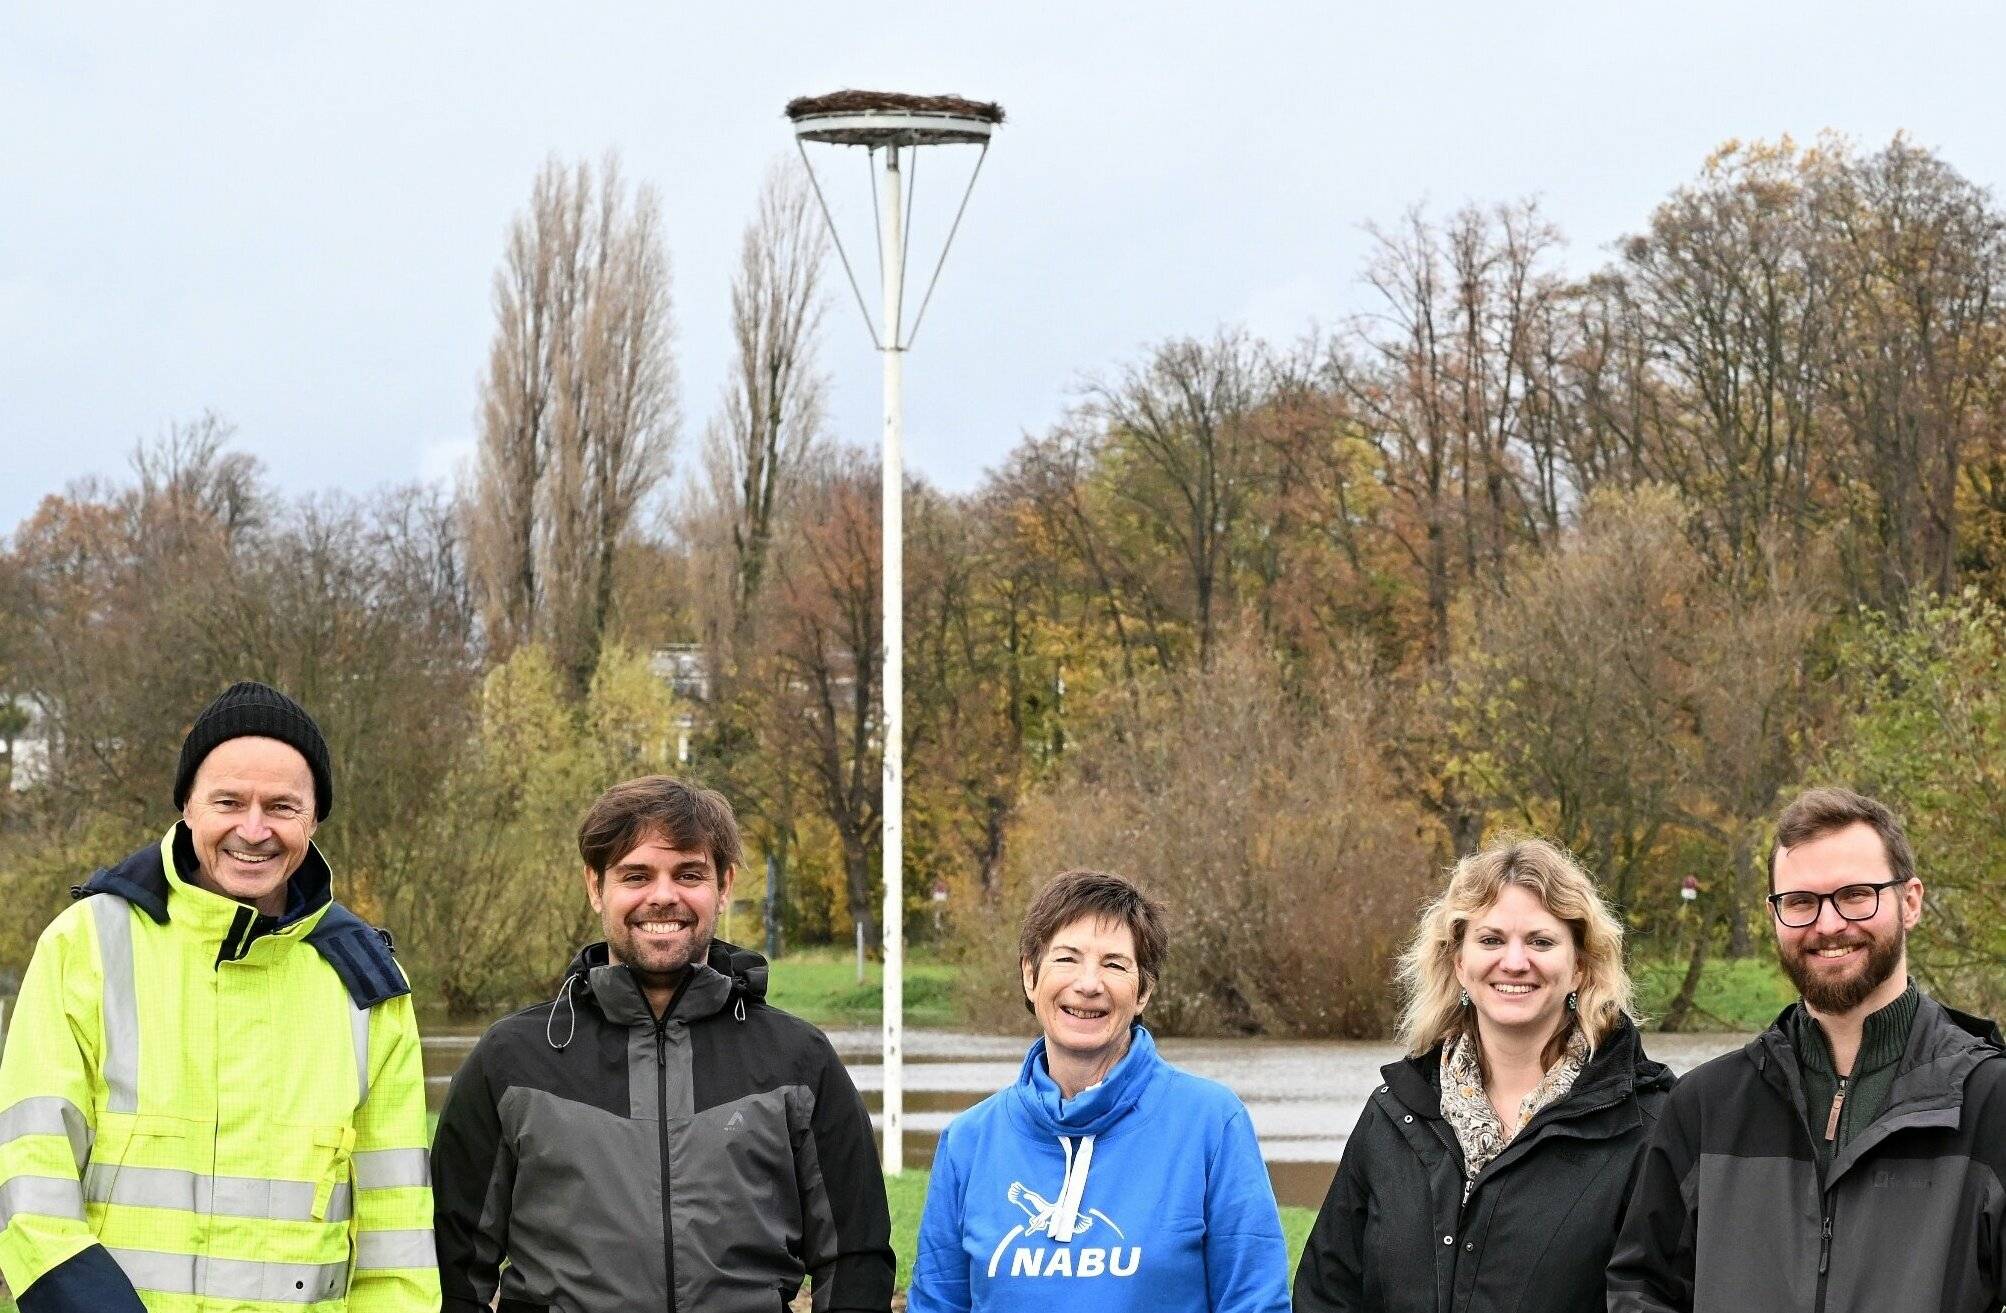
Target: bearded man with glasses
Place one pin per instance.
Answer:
(1851, 1156)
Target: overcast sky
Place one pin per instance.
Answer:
(291, 214)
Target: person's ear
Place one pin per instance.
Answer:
(1911, 904)
(1030, 977)
(592, 883)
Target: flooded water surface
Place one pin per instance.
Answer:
(1303, 1095)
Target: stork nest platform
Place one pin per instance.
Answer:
(891, 118)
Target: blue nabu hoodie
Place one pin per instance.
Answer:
(1145, 1193)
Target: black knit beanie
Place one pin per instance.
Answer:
(249, 709)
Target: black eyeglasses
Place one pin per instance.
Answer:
(1854, 902)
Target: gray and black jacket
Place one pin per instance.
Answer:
(1731, 1213)
(702, 1163)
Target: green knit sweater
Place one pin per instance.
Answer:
(1882, 1041)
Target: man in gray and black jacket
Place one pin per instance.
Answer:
(658, 1137)
(1852, 1156)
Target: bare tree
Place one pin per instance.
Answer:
(773, 401)
(826, 708)
(1917, 256)
(578, 410)
(1735, 312)
(1440, 379)
(1179, 424)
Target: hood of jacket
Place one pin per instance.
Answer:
(728, 977)
(1095, 1111)
(158, 881)
(1616, 1069)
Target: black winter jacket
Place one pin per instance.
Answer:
(1394, 1235)
(704, 1163)
(1730, 1212)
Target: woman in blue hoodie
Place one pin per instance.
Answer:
(1104, 1178)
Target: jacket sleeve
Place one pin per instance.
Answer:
(471, 1163)
(48, 1253)
(1651, 1268)
(1246, 1259)
(846, 1239)
(1330, 1278)
(396, 1270)
(940, 1269)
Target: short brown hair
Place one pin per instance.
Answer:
(687, 816)
(1819, 812)
(1105, 897)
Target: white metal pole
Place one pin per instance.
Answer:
(894, 675)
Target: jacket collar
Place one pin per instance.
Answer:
(1944, 1047)
(729, 976)
(1616, 1070)
(158, 881)
(1094, 1111)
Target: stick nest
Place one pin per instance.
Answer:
(865, 102)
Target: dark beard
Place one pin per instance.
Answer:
(1836, 997)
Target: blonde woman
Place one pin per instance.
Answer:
(1490, 1169)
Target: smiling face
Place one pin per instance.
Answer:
(1087, 991)
(658, 905)
(1836, 964)
(250, 814)
(1518, 964)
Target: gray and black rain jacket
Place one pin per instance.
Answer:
(704, 1162)
(1731, 1213)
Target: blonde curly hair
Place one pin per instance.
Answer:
(1435, 1011)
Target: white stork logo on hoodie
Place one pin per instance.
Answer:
(1062, 1220)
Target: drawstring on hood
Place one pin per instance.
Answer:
(1066, 1216)
(564, 996)
(1077, 1123)
(728, 979)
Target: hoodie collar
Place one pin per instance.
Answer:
(1096, 1110)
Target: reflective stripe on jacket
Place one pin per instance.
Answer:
(230, 1110)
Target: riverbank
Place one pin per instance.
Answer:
(820, 985)
(1738, 994)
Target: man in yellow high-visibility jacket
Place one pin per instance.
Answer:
(211, 1096)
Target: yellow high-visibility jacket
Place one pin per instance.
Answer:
(203, 1110)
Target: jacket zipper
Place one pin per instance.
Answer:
(1825, 1197)
(1824, 1250)
(1541, 1120)
(662, 1108)
(662, 1111)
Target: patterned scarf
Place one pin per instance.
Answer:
(1476, 1123)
